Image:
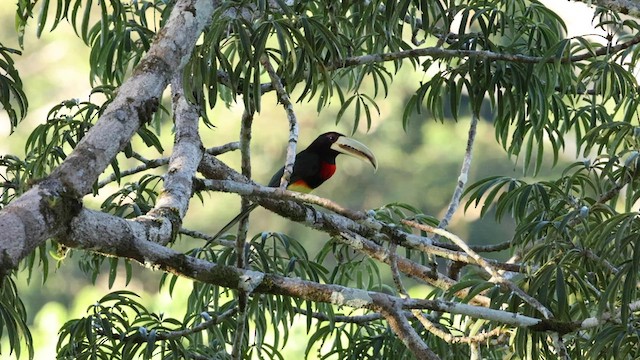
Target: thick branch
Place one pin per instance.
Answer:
(45, 210)
(627, 7)
(415, 242)
(173, 202)
(114, 236)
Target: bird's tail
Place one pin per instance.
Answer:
(230, 224)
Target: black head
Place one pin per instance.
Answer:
(331, 144)
(324, 142)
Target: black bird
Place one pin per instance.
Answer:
(313, 166)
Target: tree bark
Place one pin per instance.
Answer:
(46, 209)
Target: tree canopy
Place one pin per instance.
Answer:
(393, 281)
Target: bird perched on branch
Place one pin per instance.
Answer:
(313, 166)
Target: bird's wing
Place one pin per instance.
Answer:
(306, 165)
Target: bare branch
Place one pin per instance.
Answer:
(613, 317)
(496, 276)
(561, 348)
(149, 164)
(411, 241)
(183, 164)
(241, 239)
(155, 163)
(355, 319)
(391, 310)
(464, 174)
(283, 97)
(200, 235)
(440, 53)
(627, 7)
(477, 248)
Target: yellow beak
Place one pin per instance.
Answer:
(351, 147)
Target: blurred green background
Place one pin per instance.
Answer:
(418, 166)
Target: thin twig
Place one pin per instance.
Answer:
(439, 53)
(561, 349)
(149, 164)
(219, 150)
(241, 239)
(200, 235)
(285, 100)
(355, 319)
(496, 276)
(174, 334)
(464, 175)
(152, 164)
(453, 271)
(477, 248)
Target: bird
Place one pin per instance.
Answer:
(312, 167)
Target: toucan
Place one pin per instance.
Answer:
(313, 166)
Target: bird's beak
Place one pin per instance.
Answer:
(356, 149)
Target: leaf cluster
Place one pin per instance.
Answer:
(119, 327)
(13, 319)
(12, 97)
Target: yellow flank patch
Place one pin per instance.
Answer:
(300, 186)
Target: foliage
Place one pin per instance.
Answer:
(13, 99)
(576, 235)
(119, 327)
(13, 319)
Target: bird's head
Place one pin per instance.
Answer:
(340, 144)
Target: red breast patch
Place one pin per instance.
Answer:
(327, 170)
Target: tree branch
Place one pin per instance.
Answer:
(241, 239)
(496, 276)
(173, 202)
(464, 174)
(175, 334)
(155, 163)
(45, 210)
(114, 236)
(283, 97)
(627, 7)
(208, 238)
(257, 191)
(440, 53)
(391, 310)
